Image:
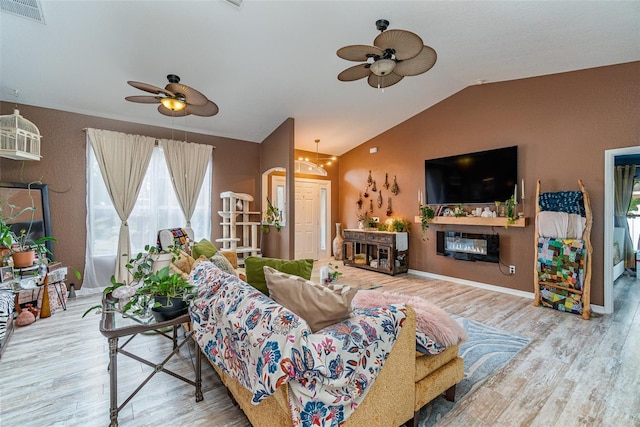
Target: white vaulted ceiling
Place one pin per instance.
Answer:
(270, 60)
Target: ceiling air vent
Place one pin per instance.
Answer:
(235, 3)
(30, 9)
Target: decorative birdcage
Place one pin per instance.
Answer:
(19, 138)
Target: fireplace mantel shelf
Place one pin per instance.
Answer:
(474, 220)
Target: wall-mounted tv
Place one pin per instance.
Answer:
(481, 177)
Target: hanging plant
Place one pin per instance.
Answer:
(426, 215)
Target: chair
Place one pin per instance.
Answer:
(182, 237)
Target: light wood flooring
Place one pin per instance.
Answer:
(574, 372)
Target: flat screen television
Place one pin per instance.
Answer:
(481, 177)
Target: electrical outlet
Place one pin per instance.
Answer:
(512, 269)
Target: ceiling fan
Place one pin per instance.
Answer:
(394, 55)
(175, 99)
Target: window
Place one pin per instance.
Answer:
(633, 214)
(156, 208)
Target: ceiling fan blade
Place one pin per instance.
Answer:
(191, 96)
(358, 52)
(144, 99)
(405, 43)
(356, 72)
(380, 82)
(150, 88)
(164, 110)
(207, 110)
(418, 64)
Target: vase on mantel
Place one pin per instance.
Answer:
(337, 243)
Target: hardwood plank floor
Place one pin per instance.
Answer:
(574, 372)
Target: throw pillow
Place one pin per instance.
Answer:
(203, 247)
(232, 256)
(319, 305)
(220, 261)
(184, 262)
(255, 273)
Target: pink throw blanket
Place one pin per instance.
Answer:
(430, 319)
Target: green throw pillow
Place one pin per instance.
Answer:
(203, 247)
(255, 272)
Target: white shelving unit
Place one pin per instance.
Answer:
(240, 226)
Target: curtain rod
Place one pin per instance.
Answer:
(158, 140)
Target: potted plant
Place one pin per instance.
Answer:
(333, 273)
(150, 290)
(399, 224)
(272, 216)
(20, 246)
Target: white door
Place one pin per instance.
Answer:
(306, 230)
(312, 204)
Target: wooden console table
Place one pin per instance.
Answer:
(382, 251)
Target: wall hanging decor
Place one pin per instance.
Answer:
(380, 199)
(373, 187)
(366, 192)
(389, 211)
(386, 180)
(369, 179)
(371, 206)
(359, 202)
(394, 189)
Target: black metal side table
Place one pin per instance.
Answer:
(114, 326)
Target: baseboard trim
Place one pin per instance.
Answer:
(596, 308)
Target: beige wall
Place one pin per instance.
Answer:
(63, 168)
(562, 124)
(277, 151)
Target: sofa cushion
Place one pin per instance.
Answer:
(255, 273)
(232, 256)
(220, 261)
(319, 305)
(203, 247)
(427, 364)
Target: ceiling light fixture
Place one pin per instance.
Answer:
(173, 104)
(382, 67)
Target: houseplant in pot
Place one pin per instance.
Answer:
(149, 290)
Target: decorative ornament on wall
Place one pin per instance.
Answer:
(380, 199)
(369, 179)
(366, 193)
(359, 202)
(386, 181)
(389, 211)
(371, 206)
(373, 188)
(394, 189)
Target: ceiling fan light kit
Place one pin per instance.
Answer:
(175, 99)
(394, 55)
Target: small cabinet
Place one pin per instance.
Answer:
(381, 251)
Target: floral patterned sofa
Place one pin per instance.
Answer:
(359, 372)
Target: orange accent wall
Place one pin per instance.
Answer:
(561, 123)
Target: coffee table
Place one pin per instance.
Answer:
(114, 325)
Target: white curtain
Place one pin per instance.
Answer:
(123, 161)
(623, 190)
(187, 164)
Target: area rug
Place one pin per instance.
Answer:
(486, 352)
